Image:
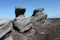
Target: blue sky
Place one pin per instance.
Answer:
(51, 7)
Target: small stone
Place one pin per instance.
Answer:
(42, 33)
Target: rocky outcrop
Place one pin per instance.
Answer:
(50, 31)
(42, 28)
(36, 31)
(38, 27)
(5, 29)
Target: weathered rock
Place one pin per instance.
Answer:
(38, 17)
(9, 38)
(49, 31)
(19, 10)
(5, 28)
(42, 29)
(36, 30)
(21, 23)
(40, 10)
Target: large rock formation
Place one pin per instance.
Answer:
(42, 28)
(21, 23)
(31, 28)
(38, 27)
(52, 27)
